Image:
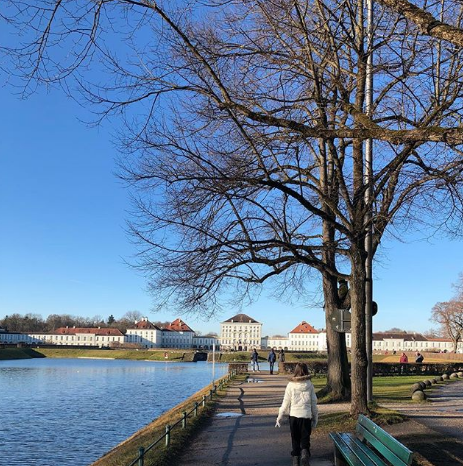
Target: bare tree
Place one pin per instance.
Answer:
(55, 321)
(132, 316)
(23, 323)
(450, 317)
(246, 129)
(434, 333)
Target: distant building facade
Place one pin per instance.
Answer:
(276, 342)
(304, 338)
(67, 336)
(240, 333)
(144, 333)
(404, 341)
(206, 342)
(177, 335)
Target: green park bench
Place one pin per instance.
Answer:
(371, 446)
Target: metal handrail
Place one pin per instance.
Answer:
(183, 420)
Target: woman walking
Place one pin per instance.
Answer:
(300, 402)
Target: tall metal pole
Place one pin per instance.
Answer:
(213, 363)
(369, 204)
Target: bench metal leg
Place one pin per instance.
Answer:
(339, 459)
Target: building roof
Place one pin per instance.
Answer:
(178, 326)
(144, 323)
(399, 336)
(304, 327)
(113, 332)
(241, 319)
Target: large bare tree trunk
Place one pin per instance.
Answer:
(359, 360)
(338, 382)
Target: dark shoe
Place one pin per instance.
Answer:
(296, 460)
(305, 454)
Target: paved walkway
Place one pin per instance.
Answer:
(243, 433)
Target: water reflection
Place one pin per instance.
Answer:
(71, 411)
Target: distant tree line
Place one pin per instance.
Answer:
(36, 323)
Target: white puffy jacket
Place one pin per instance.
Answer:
(300, 400)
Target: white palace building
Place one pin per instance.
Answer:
(143, 334)
(238, 333)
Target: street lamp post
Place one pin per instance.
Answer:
(369, 204)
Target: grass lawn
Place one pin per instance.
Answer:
(395, 389)
(387, 389)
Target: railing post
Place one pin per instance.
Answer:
(167, 435)
(210, 394)
(196, 408)
(141, 456)
(204, 400)
(184, 420)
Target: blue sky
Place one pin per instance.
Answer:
(63, 246)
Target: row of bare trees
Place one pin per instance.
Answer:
(244, 130)
(36, 323)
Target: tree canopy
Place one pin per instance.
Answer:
(245, 123)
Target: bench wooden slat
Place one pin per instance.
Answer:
(386, 444)
(379, 447)
(348, 455)
(365, 453)
(372, 446)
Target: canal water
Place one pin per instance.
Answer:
(69, 412)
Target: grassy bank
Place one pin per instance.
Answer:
(19, 353)
(141, 355)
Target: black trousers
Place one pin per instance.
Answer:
(271, 366)
(301, 428)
